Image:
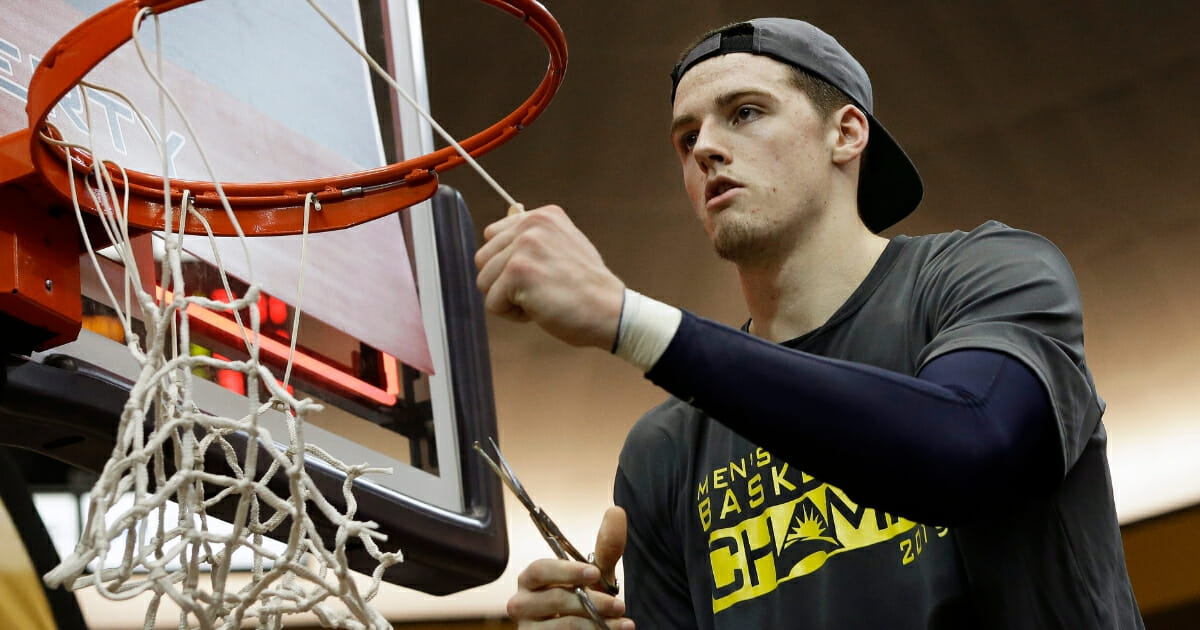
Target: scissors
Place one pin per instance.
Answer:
(554, 536)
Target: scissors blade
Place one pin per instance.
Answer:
(506, 475)
(546, 527)
(590, 609)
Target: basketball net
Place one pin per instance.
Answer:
(164, 438)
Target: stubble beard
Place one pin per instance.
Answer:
(746, 243)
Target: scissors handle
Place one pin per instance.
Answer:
(566, 551)
(612, 588)
(547, 528)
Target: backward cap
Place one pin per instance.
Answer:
(889, 186)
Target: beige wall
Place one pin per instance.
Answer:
(1076, 123)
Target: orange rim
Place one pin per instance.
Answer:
(263, 208)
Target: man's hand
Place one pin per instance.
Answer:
(545, 598)
(537, 266)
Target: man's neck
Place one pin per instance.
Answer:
(800, 292)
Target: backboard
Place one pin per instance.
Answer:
(273, 94)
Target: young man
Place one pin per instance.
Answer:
(904, 435)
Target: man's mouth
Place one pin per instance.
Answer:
(718, 189)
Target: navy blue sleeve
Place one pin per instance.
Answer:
(974, 429)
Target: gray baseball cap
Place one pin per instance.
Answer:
(889, 187)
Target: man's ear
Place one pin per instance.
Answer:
(853, 130)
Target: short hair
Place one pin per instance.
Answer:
(826, 98)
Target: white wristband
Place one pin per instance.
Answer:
(646, 329)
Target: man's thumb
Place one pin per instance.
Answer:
(610, 542)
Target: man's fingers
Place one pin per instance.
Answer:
(548, 572)
(546, 589)
(608, 606)
(544, 604)
(499, 299)
(501, 225)
(546, 598)
(537, 266)
(505, 267)
(562, 602)
(610, 542)
(497, 242)
(493, 260)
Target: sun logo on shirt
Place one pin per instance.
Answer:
(810, 526)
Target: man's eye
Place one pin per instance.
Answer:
(687, 141)
(745, 114)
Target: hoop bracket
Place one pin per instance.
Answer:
(39, 266)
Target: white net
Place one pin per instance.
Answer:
(165, 453)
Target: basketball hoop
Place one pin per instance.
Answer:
(41, 288)
(166, 439)
(265, 208)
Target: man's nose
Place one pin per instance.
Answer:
(711, 148)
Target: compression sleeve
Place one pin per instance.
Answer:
(974, 429)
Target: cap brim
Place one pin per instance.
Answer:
(889, 187)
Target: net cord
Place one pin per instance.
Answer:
(165, 383)
(383, 74)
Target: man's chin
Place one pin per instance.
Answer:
(742, 246)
